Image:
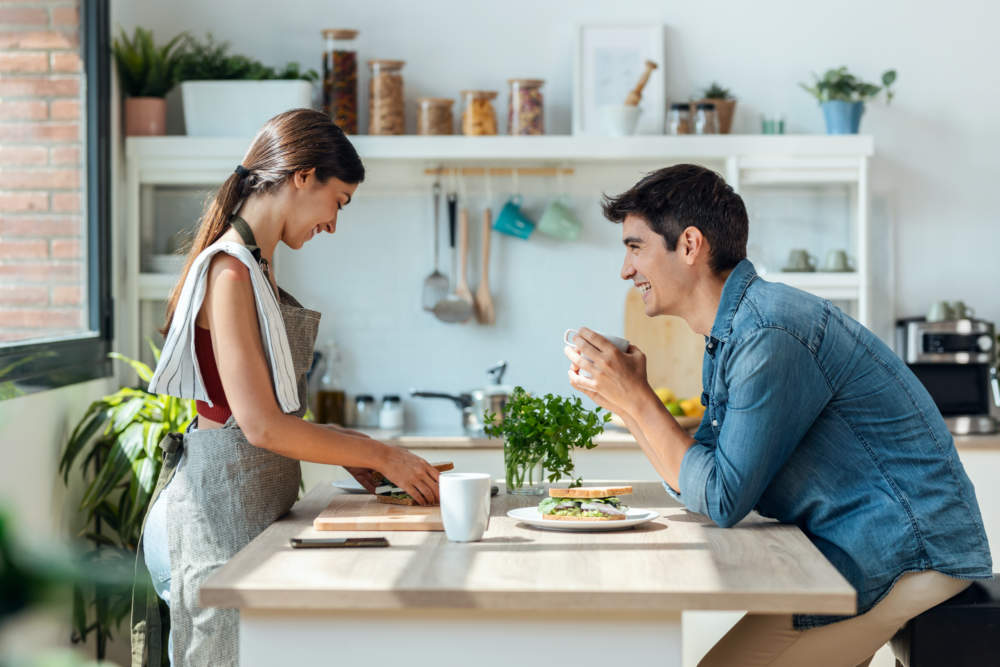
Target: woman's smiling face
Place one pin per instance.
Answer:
(314, 206)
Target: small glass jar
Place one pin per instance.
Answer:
(704, 119)
(679, 118)
(385, 97)
(365, 411)
(525, 107)
(434, 115)
(340, 78)
(478, 115)
(390, 417)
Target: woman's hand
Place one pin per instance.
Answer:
(616, 378)
(411, 473)
(366, 477)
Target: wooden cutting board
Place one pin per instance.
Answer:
(673, 352)
(360, 511)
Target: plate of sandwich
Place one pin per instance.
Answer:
(584, 508)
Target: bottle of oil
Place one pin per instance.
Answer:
(330, 398)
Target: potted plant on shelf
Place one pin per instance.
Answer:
(843, 95)
(116, 448)
(540, 433)
(228, 94)
(725, 105)
(147, 73)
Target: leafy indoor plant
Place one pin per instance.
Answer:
(147, 73)
(116, 448)
(843, 95)
(227, 94)
(725, 105)
(540, 433)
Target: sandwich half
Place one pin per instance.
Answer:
(390, 494)
(585, 503)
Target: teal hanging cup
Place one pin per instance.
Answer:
(512, 221)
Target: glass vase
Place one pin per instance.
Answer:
(524, 477)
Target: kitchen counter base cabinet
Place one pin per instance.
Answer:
(459, 638)
(521, 596)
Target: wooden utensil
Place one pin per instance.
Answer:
(484, 301)
(462, 290)
(350, 511)
(636, 93)
(673, 352)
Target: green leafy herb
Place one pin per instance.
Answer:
(211, 60)
(543, 430)
(716, 92)
(144, 69)
(839, 84)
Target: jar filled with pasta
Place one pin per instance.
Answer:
(434, 115)
(524, 109)
(385, 97)
(340, 78)
(478, 115)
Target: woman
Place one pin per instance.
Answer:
(240, 346)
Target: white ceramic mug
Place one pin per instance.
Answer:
(621, 343)
(465, 505)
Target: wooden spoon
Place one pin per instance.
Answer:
(636, 94)
(484, 302)
(462, 290)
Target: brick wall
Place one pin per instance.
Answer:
(42, 244)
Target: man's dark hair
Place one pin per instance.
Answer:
(686, 195)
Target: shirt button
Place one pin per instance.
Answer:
(715, 422)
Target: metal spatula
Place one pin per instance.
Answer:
(453, 308)
(436, 284)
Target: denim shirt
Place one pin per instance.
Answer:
(810, 419)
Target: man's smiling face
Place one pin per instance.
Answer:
(661, 275)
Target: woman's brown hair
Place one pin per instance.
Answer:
(292, 141)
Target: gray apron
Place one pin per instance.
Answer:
(221, 492)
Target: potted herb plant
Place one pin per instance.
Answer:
(227, 94)
(843, 95)
(147, 73)
(540, 433)
(116, 448)
(725, 105)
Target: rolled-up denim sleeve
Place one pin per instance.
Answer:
(703, 436)
(776, 390)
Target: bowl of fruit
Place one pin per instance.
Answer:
(687, 411)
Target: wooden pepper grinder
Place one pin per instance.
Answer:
(636, 93)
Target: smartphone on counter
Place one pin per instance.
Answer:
(333, 542)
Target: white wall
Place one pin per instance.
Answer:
(933, 177)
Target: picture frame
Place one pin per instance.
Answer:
(608, 60)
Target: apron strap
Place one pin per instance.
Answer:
(241, 226)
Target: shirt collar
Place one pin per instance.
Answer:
(732, 295)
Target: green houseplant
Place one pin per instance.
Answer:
(147, 73)
(115, 446)
(725, 105)
(227, 94)
(540, 433)
(842, 96)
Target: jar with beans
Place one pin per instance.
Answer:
(434, 115)
(340, 78)
(385, 97)
(524, 109)
(478, 115)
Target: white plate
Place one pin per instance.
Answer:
(531, 516)
(350, 485)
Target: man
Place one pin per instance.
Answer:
(810, 419)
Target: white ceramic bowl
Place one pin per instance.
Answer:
(619, 120)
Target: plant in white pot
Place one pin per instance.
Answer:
(232, 95)
(843, 95)
(147, 73)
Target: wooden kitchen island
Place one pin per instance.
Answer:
(521, 596)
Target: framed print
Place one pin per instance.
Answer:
(608, 61)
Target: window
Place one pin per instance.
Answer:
(55, 305)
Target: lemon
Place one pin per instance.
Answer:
(692, 407)
(665, 395)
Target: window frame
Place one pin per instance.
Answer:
(40, 364)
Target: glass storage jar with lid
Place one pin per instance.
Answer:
(704, 119)
(365, 411)
(478, 114)
(340, 78)
(679, 118)
(525, 107)
(434, 115)
(385, 97)
(390, 417)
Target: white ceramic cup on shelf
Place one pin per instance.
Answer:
(465, 505)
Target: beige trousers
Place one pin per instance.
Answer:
(770, 639)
